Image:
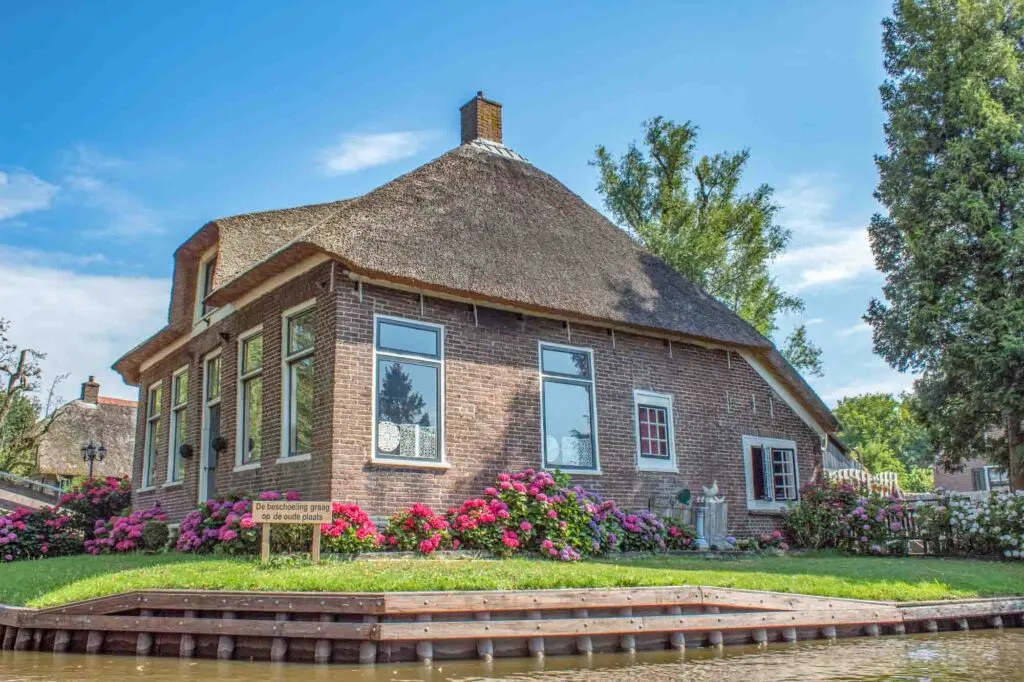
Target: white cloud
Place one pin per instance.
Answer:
(847, 257)
(860, 328)
(356, 152)
(93, 182)
(813, 321)
(826, 250)
(82, 322)
(893, 382)
(22, 192)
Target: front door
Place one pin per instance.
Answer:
(210, 428)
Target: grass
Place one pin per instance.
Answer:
(57, 581)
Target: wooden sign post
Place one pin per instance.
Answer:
(266, 513)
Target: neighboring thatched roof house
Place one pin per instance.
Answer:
(92, 418)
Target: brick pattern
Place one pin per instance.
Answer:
(480, 118)
(492, 401)
(959, 481)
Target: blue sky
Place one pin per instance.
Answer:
(126, 126)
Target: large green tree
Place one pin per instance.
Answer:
(951, 239)
(884, 435)
(691, 212)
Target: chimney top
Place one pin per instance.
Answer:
(481, 119)
(91, 391)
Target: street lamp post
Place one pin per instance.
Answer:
(91, 453)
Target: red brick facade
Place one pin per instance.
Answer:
(492, 406)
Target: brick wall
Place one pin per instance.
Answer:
(492, 415)
(959, 481)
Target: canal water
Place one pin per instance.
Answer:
(990, 655)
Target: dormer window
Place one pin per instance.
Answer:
(207, 268)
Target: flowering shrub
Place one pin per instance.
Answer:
(763, 543)
(36, 534)
(351, 531)
(874, 526)
(145, 529)
(418, 528)
(642, 531)
(96, 499)
(816, 522)
(679, 536)
(961, 525)
(226, 525)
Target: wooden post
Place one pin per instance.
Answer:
(996, 622)
(314, 552)
(484, 646)
(264, 542)
(677, 640)
(760, 636)
(94, 643)
(61, 641)
(144, 640)
(279, 645)
(368, 648)
(584, 645)
(536, 644)
(715, 636)
(226, 643)
(931, 626)
(899, 629)
(425, 647)
(10, 634)
(627, 642)
(789, 634)
(187, 643)
(872, 630)
(323, 650)
(829, 632)
(962, 624)
(23, 640)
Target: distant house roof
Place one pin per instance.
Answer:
(92, 418)
(482, 222)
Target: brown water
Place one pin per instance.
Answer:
(991, 655)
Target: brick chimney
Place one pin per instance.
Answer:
(91, 391)
(481, 118)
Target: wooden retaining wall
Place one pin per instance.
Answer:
(426, 626)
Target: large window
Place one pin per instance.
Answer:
(568, 423)
(154, 402)
(990, 478)
(655, 446)
(211, 426)
(408, 402)
(250, 398)
(771, 472)
(299, 342)
(179, 426)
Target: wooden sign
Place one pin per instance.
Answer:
(281, 511)
(266, 513)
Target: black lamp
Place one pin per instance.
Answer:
(91, 453)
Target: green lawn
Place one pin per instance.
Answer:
(56, 581)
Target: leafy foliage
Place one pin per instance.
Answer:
(961, 525)
(692, 214)
(950, 242)
(144, 529)
(351, 531)
(418, 529)
(94, 500)
(37, 534)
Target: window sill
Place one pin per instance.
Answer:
(172, 484)
(295, 458)
(658, 468)
(408, 464)
(776, 509)
(573, 472)
(146, 489)
(246, 467)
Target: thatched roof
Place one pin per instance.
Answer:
(482, 222)
(110, 422)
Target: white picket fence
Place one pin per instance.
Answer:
(885, 482)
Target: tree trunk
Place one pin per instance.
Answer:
(1015, 442)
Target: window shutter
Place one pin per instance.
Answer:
(758, 471)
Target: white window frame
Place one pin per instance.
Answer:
(148, 460)
(987, 473)
(204, 260)
(287, 416)
(658, 400)
(208, 403)
(240, 379)
(748, 470)
(541, 345)
(177, 412)
(442, 461)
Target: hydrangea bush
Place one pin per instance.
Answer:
(418, 529)
(37, 534)
(962, 525)
(96, 499)
(138, 530)
(874, 526)
(350, 532)
(225, 525)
